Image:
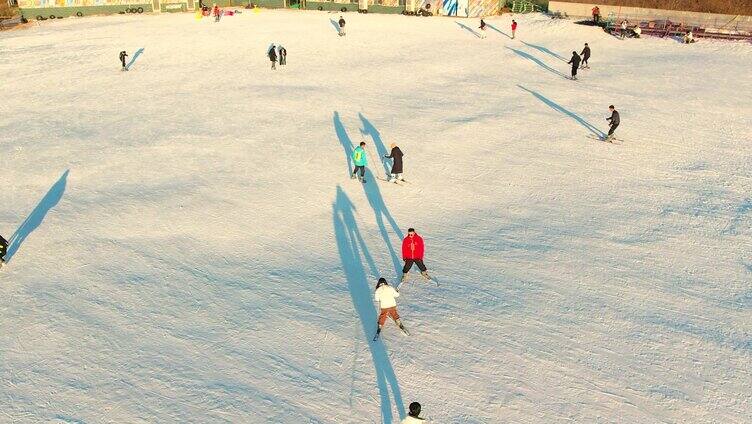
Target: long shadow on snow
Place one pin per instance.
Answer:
(369, 129)
(572, 115)
(467, 28)
(135, 56)
(335, 24)
(499, 31)
(381, 212)
(373, 193)
(537, 61)
(36, 216)
(544, 50)
(350, 243)
(344, 139)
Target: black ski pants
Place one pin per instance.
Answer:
(362, 170)
(613, 128)
(574, 71)
(409, 264)
(3, 247)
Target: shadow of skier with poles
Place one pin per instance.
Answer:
(35, 218)
(376, 200)
(350, 245)
(344, 140)
(555, 106)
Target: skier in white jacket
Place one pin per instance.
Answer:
(413, 416)
(387, 296)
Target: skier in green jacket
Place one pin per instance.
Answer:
(359, 159)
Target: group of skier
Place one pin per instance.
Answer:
(360, 161)
(277, 53)
(580, 61)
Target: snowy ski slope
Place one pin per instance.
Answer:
(189, 248)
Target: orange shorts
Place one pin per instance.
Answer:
(388, 312)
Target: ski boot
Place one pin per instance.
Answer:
(425, 275)
(404, 278)
(378, 331)
(402, 327)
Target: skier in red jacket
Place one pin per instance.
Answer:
(412, 253)
(514, 27)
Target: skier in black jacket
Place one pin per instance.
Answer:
(575, 61)
(123, 55)
(3, 250)
(273, 56)
(341, 24)
(396, 156)
(613, 122)
(585, 56)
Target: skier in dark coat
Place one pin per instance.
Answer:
(575, 61)
(341, 24)
(282, 56)
(273, 56)
(585, 56)
(396, 156)
(123, 55)
(3, 250)
(613, 122)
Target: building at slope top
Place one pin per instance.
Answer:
(51, 9)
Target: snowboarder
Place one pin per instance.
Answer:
(273, 56)
(482, 29)
(216, 12)
(596, 14)
(3, 250)
(413, 417)
(585, 56)
(123, 55)
(637, 31)
(514, 27)
(341, 23)
(413, 250)
(575, 61)
(396, 156)
(613, 123)
(386, 296)
(359, 159)
(282, 56)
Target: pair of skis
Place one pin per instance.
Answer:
(612, 140)
(403, 329)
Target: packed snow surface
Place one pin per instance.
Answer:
(187, 245)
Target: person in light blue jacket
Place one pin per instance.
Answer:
(359, 159)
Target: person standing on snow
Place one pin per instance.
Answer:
(482, 29)
(575, 61)
(359, 159)
(396, 156)
(341, 23)
(413, 417)
(273, 56)
(585, 56)
(413, 250)
(386, 296)
(596, 14)
(514, 27)
(216, 12)
(613, 122)
(282, 56)
(3, 250)
(123, 55)
(624, 25)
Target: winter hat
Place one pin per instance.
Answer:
(382, 281)
(414, 409)
(393, 145)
